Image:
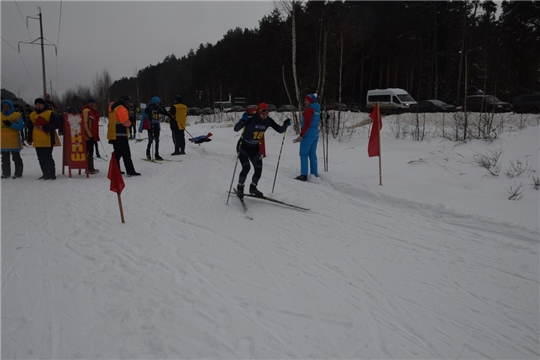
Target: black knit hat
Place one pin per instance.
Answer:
(91, 100)
(125, 98)
(39, 101)
(178, 99)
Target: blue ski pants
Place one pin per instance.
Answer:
(308, 152)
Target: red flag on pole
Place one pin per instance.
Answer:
(117, 182)
(374, 145)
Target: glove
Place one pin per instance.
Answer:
(7, 123)
(245, 116)
(287, 122)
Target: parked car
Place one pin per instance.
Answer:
(526, 104)
(237, 108)
(356, 108)
(286, 108)
(487, 103)
(425, 106)
(271, 107)
(194, 111)
(207, 111)
(337, 106)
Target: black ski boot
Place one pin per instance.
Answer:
(240, 191)
(254, 191)
(157, 157)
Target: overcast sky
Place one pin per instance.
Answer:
(119, 36)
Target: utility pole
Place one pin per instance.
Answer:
(41, 39)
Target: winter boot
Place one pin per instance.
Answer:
(158, 157)
(240, 191)
(301, 178)
(254, 191)
(148, 155)
(18, 169)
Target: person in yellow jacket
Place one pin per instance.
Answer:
(11, 143)
(42, 134)
(118, 133)
(179, 113)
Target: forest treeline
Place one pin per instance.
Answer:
(433, 49)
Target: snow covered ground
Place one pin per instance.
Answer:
(436, 263)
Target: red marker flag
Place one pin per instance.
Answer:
(374, 145)
(117, 182)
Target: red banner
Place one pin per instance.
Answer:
(74, 144)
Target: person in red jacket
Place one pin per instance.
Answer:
(90, 116)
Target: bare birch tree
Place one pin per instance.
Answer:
(101, 85)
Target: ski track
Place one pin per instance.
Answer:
(198, 291)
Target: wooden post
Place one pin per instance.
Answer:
(121, 209)
(379, 136)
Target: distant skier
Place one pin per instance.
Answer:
(248, 146)
(132, 112)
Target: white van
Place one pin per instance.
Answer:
(222, 106)
(391, 101)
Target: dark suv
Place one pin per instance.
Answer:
(526, 104)
(487, 103)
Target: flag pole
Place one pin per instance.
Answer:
(379, 137)
(121, 208)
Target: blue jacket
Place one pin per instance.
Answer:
(10, 138)
(150, 115)
(19, 125)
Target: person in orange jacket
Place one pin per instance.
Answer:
(118, 133)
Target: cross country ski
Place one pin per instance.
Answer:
(274, 201)
(244, 206)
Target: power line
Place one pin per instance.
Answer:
(22, 60)
(28, 30)
(58, 41)
(59, 22)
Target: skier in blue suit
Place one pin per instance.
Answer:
(309, 136)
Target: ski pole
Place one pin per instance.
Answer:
(104, 151)
(174, 118)
(232, 180)
(277, 166)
